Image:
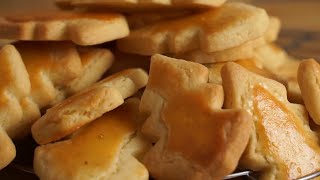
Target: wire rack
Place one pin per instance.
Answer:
(245, 174)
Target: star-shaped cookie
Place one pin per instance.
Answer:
(309, 83)
(83, 28)
(214, 30)
(107, 148)
(282, 146)
(76, 111)
(194, 138)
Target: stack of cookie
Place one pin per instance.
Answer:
(220, 95)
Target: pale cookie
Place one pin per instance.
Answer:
(50, 65)
(82, 108)
(287, 74)
(95, 62)
(14, 76)
(14, 86)
(81, 28)
(276, 60)
(271, 56)
(30, 113)
(309, 82)
(194, 138)
(282, 145)
(294, 92)
(273, 29)
(7, 149)
(127, 82)
(214, 30)
(105, 149)
(139, 5)
(243, 51)
(249, 64)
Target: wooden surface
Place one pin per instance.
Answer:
(300, 36)
(300, 33)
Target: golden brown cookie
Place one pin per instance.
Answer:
(87, 105)
(194, 138)
(309, 82)
(50, 65)
(282, 146)
(14, 86)
(246, 50)
(39, 72)
(81, 28)
(214, 30)
(14, 75)
(105, 149)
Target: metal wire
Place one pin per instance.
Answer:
(252, 175)
(310, 176)
(240, 174)
(22, 168)
(248, 174)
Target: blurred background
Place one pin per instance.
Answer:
(302, 14)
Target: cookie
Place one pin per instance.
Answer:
(30, 113)
(95, 62)
(187, 124)
(50, 65)
(14, 76)
(277, 61)
(14, 86)
(282, 146)
(250, 64)
(87, 105)
(107, 148)
(214, 30)
(309, 78)
(37, 74)
(127, 82)
(273, 29)
(270, 56)
(243, 51)
(138, 5)
(7, 149)
(81, 28)
(287, 74)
